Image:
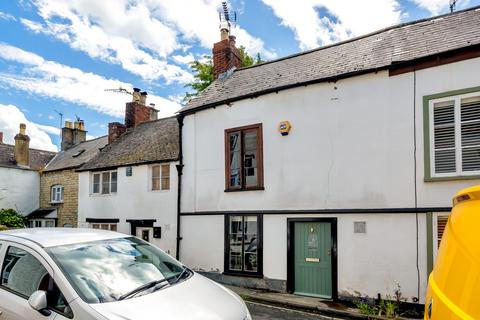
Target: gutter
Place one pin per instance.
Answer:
(179, 183)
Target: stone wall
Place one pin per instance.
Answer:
(68, 210)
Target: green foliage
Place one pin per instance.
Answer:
(384, 307)
(2, 227)
(11, 219)
(203, 71)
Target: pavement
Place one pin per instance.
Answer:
(274, 305)
(267, 312)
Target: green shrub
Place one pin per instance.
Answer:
(2, 227)
(11, 219)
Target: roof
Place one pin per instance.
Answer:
(77, 155)
(42, 213)
(50, 237)
(152, 141)
(38, 158)
(375, 51)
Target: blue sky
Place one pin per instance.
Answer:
(60, 55)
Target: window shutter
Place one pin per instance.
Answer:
(444, 137)
(441, 224)
(470, 128)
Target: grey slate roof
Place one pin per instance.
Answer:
(379, 50)
(76, 155)
(152, 141)
(38, 158)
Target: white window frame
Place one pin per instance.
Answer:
(150, 177)
(56, 193)
(104, 226)
(42, 223)
(458, 138)
(100, 186)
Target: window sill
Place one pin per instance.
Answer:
(246, 189)
(451, 178)
(243, 274)
(103, 195)
(56, 202)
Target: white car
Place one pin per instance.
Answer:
(85, 274)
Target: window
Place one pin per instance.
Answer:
(454, 125)
(104, 182)
(244, 158)
(243, 244)
(39, 223)
(23, 274)
(161, 177)
(57, 194)
(104, 226)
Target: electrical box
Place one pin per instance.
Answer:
(157, 232)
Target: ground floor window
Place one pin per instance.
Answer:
(243, 244)
(41, 223)
(104, 226)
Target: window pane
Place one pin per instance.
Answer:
(38, 224)
(113, 227)
(61, 194)
(165, 177)
(235, 159)
(113, 187)
(49, 224)
(95, 226)
(96, 183)
(106, 183)
(155, 177)
(104, 226)
(250, 243)
(22, 273)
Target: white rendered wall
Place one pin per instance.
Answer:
(369, 263)
(133, 200)
(19, 190)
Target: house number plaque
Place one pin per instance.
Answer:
(312, 259)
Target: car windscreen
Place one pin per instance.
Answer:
(103, 271)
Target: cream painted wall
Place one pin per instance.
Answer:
(133, 200)
(19, 190)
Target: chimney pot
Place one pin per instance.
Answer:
(23, 127)
(143, 98)
(72, 134)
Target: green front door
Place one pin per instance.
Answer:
(313, 259)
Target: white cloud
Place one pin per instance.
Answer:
(184, 59)
(54, 80)
(351, 18)
(7, 16)
(438, 6)
(10, 119)
(115, 31)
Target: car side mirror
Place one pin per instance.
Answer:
(38, 301)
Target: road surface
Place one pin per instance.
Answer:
(265, 312)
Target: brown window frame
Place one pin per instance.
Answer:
(260, 186)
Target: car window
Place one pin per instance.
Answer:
(23, 274)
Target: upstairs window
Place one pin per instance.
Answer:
(160, 177)
(454, 124)
(244, 158)
(56, 194)
(104, 182)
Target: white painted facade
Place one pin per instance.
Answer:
(354, 144)
(19, 190)
(134, 200)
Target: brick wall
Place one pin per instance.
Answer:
(68, 210)
(136, 113)
(225, 56)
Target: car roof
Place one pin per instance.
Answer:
(50, 237)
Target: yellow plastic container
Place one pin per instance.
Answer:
(454, 285)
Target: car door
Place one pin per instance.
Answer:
(24, 271)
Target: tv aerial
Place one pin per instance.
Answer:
(119, 90)
(227, 18)
(452, 5)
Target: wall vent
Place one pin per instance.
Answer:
(360, 227)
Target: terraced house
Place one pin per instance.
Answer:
(330, 172)
(131, 185)
(59, 180)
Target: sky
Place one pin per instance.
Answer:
(59, 56)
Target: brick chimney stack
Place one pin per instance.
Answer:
(73, 133)
(225, 54)
(136, 112)
(21, 150)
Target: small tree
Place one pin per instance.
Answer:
(203, 71)
(11, 219)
